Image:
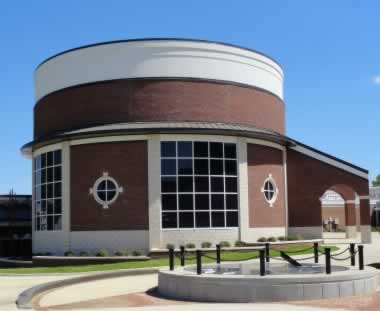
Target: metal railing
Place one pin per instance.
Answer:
(264, 256)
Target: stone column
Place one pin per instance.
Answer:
(365, 220)
(243, 190)
(350, 214)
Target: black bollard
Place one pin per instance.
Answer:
(361, 257)
(218, 254)
(182, 255)
(262, 262)
(352, 253)
(316, 254)
(267, 252)
(328, 260)
(171, 259)
(199, 262)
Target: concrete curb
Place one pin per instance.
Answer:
(24, 300)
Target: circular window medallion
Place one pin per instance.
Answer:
(270, 190)
(105, 190)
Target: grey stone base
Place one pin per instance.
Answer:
(270, 288)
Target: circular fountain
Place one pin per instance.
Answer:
(241, 282)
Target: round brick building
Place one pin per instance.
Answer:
(142, 143)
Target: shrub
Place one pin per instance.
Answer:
(102, 253)
(206, 244)
(262, 239)
(272, 239)
(47, 254)
(281, 238)
(136, 253)
(224, 244)
(239, 243)
(119, 253)
(84, 254)
(189, 245)
(68, 253)
(169, 246)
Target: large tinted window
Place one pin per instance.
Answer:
(47, 198)
(199, 184)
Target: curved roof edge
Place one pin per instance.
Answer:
(158, 39)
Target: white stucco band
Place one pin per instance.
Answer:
(158, 59)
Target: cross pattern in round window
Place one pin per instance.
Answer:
(270, 190)
(106, 190)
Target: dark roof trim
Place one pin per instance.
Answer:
(332, 157)
(182, 79)
(156, 39)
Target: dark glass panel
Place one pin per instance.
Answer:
(168, 167)
(230, 151)
(185, 202)
(201, 167)
(169, 220)
(270, 186)
(38, 223)
(168, 184)
(186, 220)
(43, 176)
(49, 159)
(216, 167)
(185, 149)
(111, 195)
(57, 173)
(232, 219)
(43, 207)
(230, 167)
(57, 157)
(57, 206)
(202, 201)
(217, 219)
(216, 150)
(185, 184)
(102, 195)
(169, 202)
(231, 184)
(201, 149)
(57, 222)
(110, 185)
(217, 201)
(168, 149)
(43, 191)
(50, 220)
(57, 189)
(231, 201)
(49, 174)
(202, 219)
(43, 160)
(49, 190)
(185, 167)
(201, 184)
(102, 185)
(49, 206)
(217, 184)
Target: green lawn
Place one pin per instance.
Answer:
(159, 262)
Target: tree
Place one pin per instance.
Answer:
(376, 182)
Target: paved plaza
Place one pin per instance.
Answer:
(137, 293)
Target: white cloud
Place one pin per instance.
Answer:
(376, 79)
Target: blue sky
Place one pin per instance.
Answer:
(329, 50)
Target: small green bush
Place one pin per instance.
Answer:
(102, 253)
(206, 244)
(170, 246)
(272, 239)
(262, 239)
(239, 243)
(225, 244)
(119, 253)
(189, 245)
(84, 254)
(281, 238)
(136, 253)
(68, 253)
